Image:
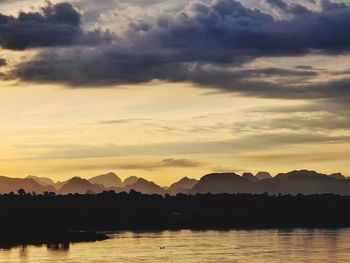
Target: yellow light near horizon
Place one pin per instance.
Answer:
(60, 132)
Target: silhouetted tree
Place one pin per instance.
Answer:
(21, 191)
(46, 193)
(120, 211)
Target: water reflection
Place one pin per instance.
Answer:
(285, 245)
(23, 252)
(58, 247)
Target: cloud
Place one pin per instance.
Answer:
(200, 29)
(277, 3)
(299, 157)
(179, 163)
(321, 122)
(326, 117)
(166, 163)
(123, 165)
(291, 8)
(256, 142)
(98, 11)
(305, 67)
(51, 26)
(206, 43)
(122, 121)
(3, 62)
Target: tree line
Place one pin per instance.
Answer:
(29, 212)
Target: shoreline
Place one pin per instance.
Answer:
(10, 240)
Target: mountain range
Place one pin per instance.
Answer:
(294, 182)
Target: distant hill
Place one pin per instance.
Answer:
(130, 180)
(107, 180)
(250, 177)
(8, 184)
(303, 181)
(59, 184)
(146, 187)
(182, 186)
(42, 180)
(222, 183)
(263, 175)
(338, 176)
(308, 182)
(80, 186)
(294, 182)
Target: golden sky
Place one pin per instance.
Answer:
(161, 122)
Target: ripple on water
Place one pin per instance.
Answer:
(273, 246)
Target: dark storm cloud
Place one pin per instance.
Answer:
(53, 25)
(205, 43)
(277, 3)
(225, 31)
(94, 9)
(91, 68)
(273, 71)
(289, 8)
(109, 66)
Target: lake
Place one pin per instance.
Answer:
(298, 245)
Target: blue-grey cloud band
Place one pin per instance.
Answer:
(205, 43)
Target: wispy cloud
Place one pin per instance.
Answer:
(259, 142)
(298, 158)
(122, 121)
(129, 165)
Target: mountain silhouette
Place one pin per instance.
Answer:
(146, 187)
(250, 177)
(8, 185)
(44, 181)
(107, 180)
(308, 182)
(222, 183)
(183, 186)
(263, 175)
(338, 176)
(80, 186)
(295, 182)
(129, 181)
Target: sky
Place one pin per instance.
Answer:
(165, 89)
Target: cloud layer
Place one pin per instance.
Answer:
(206, 43)
(51, 26)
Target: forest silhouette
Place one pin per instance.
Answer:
(51, 218)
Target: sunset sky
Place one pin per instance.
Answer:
(165, 89)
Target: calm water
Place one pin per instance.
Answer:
(204, 246)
